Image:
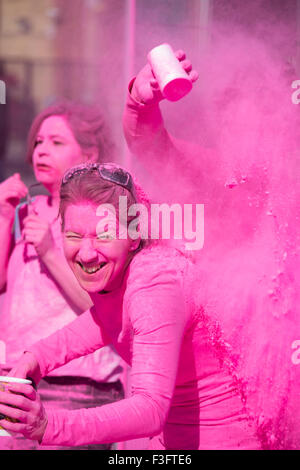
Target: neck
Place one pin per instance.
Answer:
(54, 195)
(55, 201)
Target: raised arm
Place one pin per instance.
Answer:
(142, 120)
(158, 156)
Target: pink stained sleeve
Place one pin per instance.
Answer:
(143, 127)
(149, 141)
(79, 338)
(158, 318)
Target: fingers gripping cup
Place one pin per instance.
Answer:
(173, 81)
(5, 381)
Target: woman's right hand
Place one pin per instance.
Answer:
(27, 367)
(12, 190)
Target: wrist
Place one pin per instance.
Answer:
(41, 431)
(133, 92)
(49, 254)
(143, 95)
(32, 367)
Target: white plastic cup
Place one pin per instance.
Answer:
(173, 81)
(6, 380)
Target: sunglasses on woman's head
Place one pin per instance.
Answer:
(107, 171)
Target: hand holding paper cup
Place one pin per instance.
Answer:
(21, 406)
(167, 74)
(5, 380)
(173, 80)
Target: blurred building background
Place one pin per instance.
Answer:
(79, 49)
(89, 49)
(57, 48)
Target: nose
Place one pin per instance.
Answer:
(87, 252)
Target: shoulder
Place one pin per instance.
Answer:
(157, 265)
(158, 256)
(155, 288)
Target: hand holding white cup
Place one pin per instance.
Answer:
(174, 82)
(4, 381)
(21, 408)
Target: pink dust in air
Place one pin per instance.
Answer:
(245, 168)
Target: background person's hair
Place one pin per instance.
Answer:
(91, 187)
(85, 121)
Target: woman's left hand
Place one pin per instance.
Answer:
(38, 232)
(28, 411)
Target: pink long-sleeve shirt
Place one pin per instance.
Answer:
(180, 393)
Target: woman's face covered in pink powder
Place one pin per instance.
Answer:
(95, 254)
(56, 150)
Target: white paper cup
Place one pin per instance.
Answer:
(173, 81)
(7, 380)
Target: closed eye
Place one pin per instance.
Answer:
(72, 236)
(105, 236)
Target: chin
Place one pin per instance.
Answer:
(43, 178)
(92, 287)
(96, 283)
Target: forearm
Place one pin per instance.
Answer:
(144, 414)
(131, 418)
(79, 338)
(6, 224)
(147, 138)
(61, 272)
(143, 126)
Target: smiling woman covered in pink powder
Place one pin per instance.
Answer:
(42, 293)
(143, 297)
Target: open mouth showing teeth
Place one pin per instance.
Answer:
(91, 269)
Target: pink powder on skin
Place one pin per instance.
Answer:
(86, 250)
